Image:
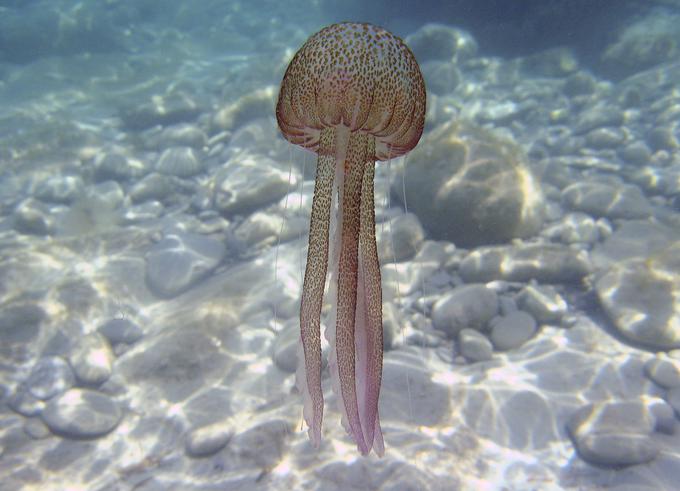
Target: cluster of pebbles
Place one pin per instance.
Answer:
(150, 286)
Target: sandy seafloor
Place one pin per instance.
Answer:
(153, 229)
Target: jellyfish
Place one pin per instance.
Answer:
(353, 94)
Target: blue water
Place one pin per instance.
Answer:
(153, 242)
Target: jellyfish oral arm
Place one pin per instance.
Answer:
(355, 327)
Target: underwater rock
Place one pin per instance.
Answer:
(639, 296)
(474, 346)
(82, 413)
(60, 189)
(249, 183)
(553, 62)
(442, 76)
(614, 432)
(92, 359)
(33, 217)
(121, 331)
(648, 41)
(580, 83)
(543, 303)
(545, 263)
(144, 212)
(441, 42)
(400, 239)
(209, 439)
(512, 330)
(477, 188)
(598, 116)
(179, 162)
(180, 260)
(172, 108)
(178, 135)
(468, 306)
(665, 372)
(574, 228)
(49, 377)
(257, 104)
(606, 200)
(117, 166)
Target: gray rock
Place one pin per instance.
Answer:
(182, 135)
(574, 228)
(33, 217)
(512, 331)
(401, 239)
(600, 138)
(580, 83)
(153, 187)
(441, 42)
(19, 324)
(117, 166)
(469, 306)
(474, 346)
(662, 138)
(665, 372)
(443, 76)
(36, 428)
(108, 193)
(639, 296)
(60, 189)
(82, 413)
(545, 263)
(636, 153)
(179, 162)
(264, 444)
(597, 116)
(144, 212)
(543, 303)
(606, 200)
(673, 398)
(552, 62)
(614, 433)
(121, 330)
(25, 403)
(170, 108)
(49, 377)
(180, 260)
(477, 189)
(252, 182)
(92, 359)
(209, 439)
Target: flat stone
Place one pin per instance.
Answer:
(546, 263)
(606, 200)
(640, 298)
(60, 189)
(82, 413)
(614, 433)
(121, 330)
(468, 306)
(181, 260)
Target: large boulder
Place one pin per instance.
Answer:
(471, 187)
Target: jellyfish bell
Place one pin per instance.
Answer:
(353, 94)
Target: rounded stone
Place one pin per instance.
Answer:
(179, 161)
(82, 413)
(92, 359)
(209, 439)
(474, 346)
(121, 330)
(49, 377)
(513, 330)
(469, 306)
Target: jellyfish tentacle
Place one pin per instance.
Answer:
(309, 381)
